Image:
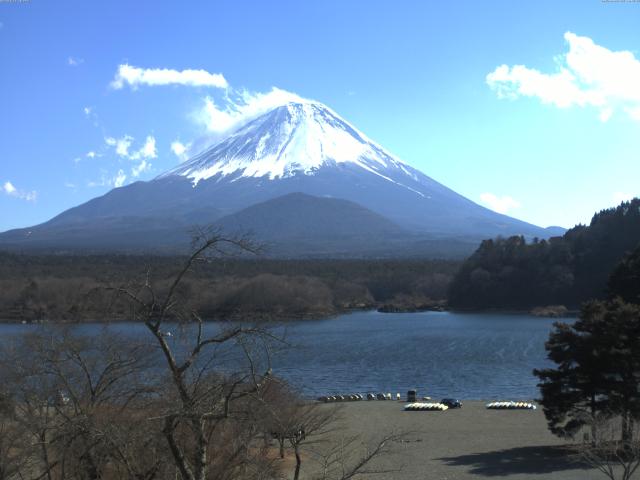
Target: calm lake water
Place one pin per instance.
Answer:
(469, 356)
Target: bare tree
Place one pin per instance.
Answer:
(350, 457)
(13, 440)
(295, 422)
(607, 451)
(201, 404)
(193, 403)
(315, 431)
(74, 396)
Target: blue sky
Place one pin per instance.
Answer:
(528, 107)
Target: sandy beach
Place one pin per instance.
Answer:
(467, 443)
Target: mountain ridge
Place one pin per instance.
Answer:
(296, 147)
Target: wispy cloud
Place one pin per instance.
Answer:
(499, 204)
(9, 189)
(106, 180)
(587, 75)
(90, 114)
(218, 116)
(143, 166)
(246, 106)
(74, 61)
(119, 179)
(123, 144)
(148, 150)
(122, 148)
(135, 76)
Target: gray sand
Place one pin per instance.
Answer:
(467, 443)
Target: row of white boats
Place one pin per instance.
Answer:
(422, 406)
(353, 397)
(511, 406)
(440, 407)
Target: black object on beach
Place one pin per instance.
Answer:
(451, 402)
(412, 396)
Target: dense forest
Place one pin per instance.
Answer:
(568, 270)
(81, 288)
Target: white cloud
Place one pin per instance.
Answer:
(74, 61)
(246, 107)
(499, 204)
(107, 180)
(119, 179)
(180, 150)
(90, 114)
(135, 76)
(69, 185)
(587, 75)
(619, 197)
(122, 146)
(148, 150)
(9, 189)
(143, 166)
(92, 154)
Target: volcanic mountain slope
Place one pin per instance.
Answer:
(297, 215)
(297, 147)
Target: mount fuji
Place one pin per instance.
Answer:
(300, 178)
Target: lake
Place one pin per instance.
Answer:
(469, 356)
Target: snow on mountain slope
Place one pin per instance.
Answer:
(295, 138)
(298, 147)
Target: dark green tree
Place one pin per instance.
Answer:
(569, 270)
(624, 281)
(571, 392)
(598, 369)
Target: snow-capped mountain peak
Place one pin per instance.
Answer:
(291, 139)
(298, 175)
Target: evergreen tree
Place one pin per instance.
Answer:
(598, 369)
(624, 281)
(568, 270)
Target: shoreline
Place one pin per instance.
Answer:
(288, 317)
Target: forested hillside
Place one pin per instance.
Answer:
(513, 273)
(76, 287)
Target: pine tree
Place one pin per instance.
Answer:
(624, 281)
(598, 369)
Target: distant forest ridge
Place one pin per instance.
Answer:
(61, 288)
(512, 273)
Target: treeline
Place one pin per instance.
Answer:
(82, 288)
(191, 403)
(568, 270)
(593, 390)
